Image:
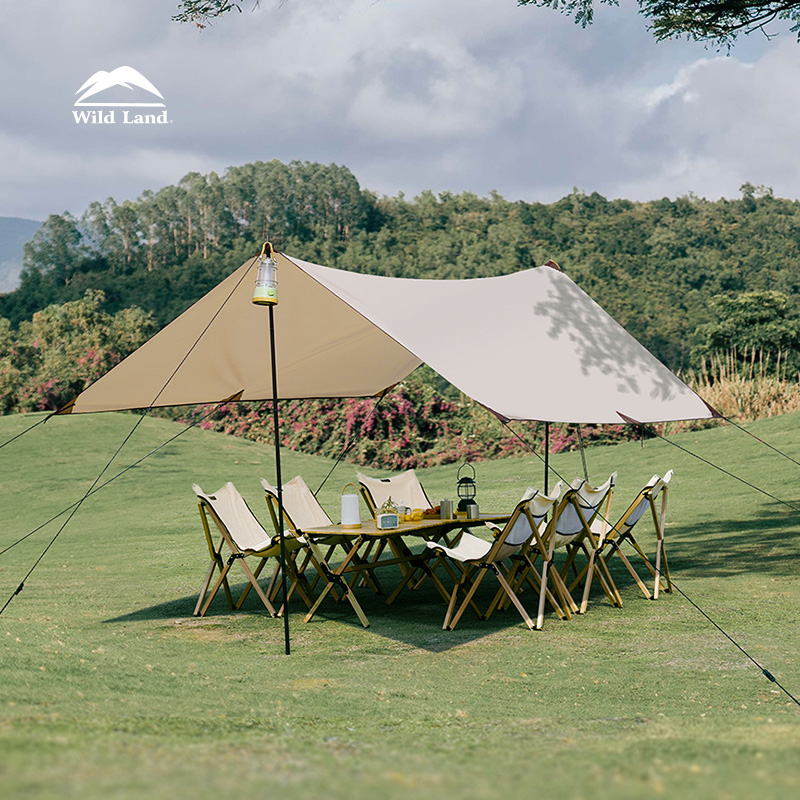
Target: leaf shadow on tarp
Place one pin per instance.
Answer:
(601, 343)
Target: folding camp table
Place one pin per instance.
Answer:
(429, 529)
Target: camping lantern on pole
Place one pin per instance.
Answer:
(466, 487)
(266, 294)
(266, 291)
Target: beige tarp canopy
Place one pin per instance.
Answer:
(531, 345)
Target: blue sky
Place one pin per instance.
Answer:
(448, 95)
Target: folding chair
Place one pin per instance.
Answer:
(244, 536)
(587, 505)
(476, 557)
(569, 529)
(404, 488)
(301, 510)
(609, 540)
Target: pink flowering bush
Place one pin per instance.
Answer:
(412, 426)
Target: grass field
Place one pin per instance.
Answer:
(109, 686)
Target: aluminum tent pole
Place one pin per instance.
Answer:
(547, 458)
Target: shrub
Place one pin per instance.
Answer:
(413, 426)
(749, 387)
(52, 358)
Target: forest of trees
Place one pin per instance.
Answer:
(688, 277)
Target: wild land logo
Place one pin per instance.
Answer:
(117, 104)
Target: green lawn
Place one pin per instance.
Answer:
(109, 686)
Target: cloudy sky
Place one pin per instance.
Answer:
(457, 95)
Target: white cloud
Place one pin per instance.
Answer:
(679, 86)
(71, 183)
(433, 88)
(410, 94)
(719, 123)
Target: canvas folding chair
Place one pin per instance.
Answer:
(477, 557)
(244, 536)
(587, 505)
(301, 511)
(610, 538)
(570, 530)
(404, 488)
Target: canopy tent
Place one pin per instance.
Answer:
(531, 345)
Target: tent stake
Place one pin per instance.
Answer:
(278, 476)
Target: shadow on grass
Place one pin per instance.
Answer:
(717, 548)
(714, 548)
(414, 619)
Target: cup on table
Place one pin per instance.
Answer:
(472, 511)
(446, 509)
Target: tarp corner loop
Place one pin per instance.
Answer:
(65, 409)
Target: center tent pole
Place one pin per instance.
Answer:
(547, 458)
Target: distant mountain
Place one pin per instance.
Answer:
(14, 232)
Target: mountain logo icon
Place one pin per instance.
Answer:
(127, 77)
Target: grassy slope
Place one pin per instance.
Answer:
(108, 685)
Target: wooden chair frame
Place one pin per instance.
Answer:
(582, 540)
(409, 571)
(219, 563)
(474, 570)
(611, 538)
(313, 555)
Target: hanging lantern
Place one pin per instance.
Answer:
(266, 291)
(466, 488)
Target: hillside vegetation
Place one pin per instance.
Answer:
(654, 266)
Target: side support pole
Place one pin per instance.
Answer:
(278, 477)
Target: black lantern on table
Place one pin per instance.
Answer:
(466, 488)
